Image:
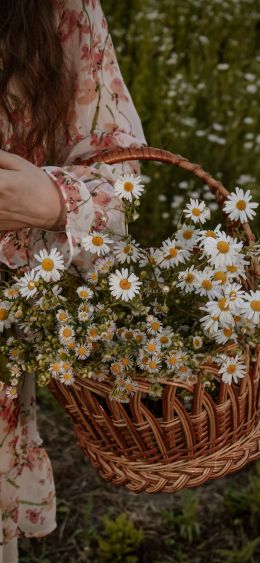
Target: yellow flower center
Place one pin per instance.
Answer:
(56, 366)
(173, 252)
(189, 278)
(232, 269)
(227, 331)
(84, 293)
(128, 186)
(223, 305)
(31, 284)
(47, 264)
(241, 204)
(172, 360)
(94, 276)
(93, 332)
(3, 314)
(196, 211)
(183, 369)
(67, 376)
(152, 364)
(82, 350)
(125, 361)
(97, 241)
(128, 335)
(63, 316)
(138, 338)
(211, 234)
(151, 347)
(223, 247)
(220, 276)
(206, 284)
(128, 249)
(255, 305)
(155, 325)
(231, 369)
(164, 339)
(71, 345)
(67, 332)
(125, 284)
(187, 235)
(129, 387)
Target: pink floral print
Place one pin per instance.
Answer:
(103, 116)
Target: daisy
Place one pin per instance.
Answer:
(28, 284)
(142, 360)
(140, 337)
(222, 250)
(127, 252)
(251, 306)
(152, 346)
(128, 187)
(187, 236)
(56, 368)
(165, 337)
(92, 333)
(173, 254)
(97, 243)
(51, 263)
(126, 362)
(92, 277)
(85, 312)
(221, 276)
(205, 284)
(221, 309)
(172, 361)
(6, 316)
(66, 334)
(11, 392)
(11, 292)
(84, 292)
(104, 265)
(154, 326)
(67, 378)
(129, 385)
(197, 211)
(235, 297)
(237, 268)
(225, 334)
(153, 364)
(116, 368)
(124, 285)
(187, 279)
(231, 368)
(83, 351)
(210, 323)
(62, 316)
(239, 207)
(197, 342)
(184, 371)
(209, 233)
(153, 257)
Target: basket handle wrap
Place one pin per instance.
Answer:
(113, 156)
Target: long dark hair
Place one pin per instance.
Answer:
(32, 53)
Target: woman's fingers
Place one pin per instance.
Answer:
(12, 161)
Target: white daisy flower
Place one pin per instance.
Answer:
(231, 368)
(173, 254)
(237, 268)
(208, 233)
(129, 385)
(235, 297)
(187, 279)
(51, 263)
(221, 276)
(210, 323)
(165, 337)
(187, 236)
(6, 315)
(126, 362)
(83, 351)
(97, 243)
(56, 368)
(66, 334)
(197, 342)
(27, 284)
(222, 250)
(239, 207)
(251, 306)
(85, 312)
(92, 333)
(153, 325)
(221, 309)
(84, 292)
(127, 251)
(67, 378)
(154, 257)
(152, 346)
(205, 284)
(197, 211)
(117, 369)
(104, 265)
(225, 334)
(124, 285)
(62, 316)
(142, 360)
(92, 277)
(154, 364)
(184, 371)
(172, 361)
(11, 292)
(11, 392)
(128, 187)
(140, 337)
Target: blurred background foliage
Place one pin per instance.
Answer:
(193, 70)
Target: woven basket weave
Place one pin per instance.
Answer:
(170, 446)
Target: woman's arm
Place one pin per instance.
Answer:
(103, 116)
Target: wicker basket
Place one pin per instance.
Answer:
(171, 447)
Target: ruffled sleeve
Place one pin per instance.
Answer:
(103, 115)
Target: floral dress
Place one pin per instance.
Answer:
(103, 116)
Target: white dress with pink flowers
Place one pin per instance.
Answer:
(103, 116)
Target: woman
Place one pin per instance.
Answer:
(62, 99)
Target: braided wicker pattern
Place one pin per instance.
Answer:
(167, 445)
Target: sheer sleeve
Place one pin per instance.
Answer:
(103, 115)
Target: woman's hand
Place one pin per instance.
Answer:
(28, 196)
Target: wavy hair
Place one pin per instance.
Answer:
(31, 53)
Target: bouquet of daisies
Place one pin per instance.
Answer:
(158, 314)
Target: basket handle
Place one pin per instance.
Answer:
(113, 156)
